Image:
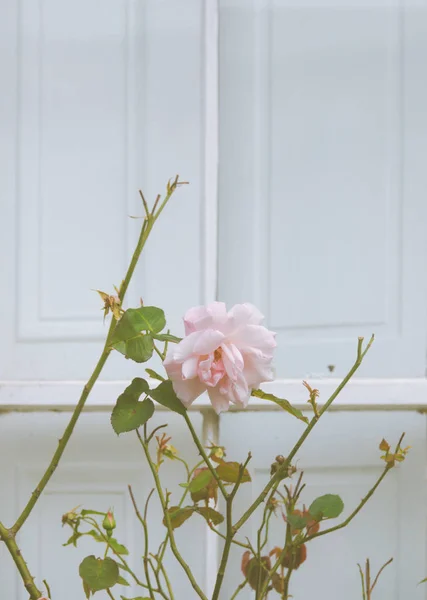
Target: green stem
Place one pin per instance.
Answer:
(63, 441)
(8, 537)
(354, 513)
(230, 533)
(166, 514)
(226, 550)
(286, 584)
(167, 580)
(145, 232)
(110, 594)
(143, 522)
(275, 480)
(205, 456)
(239, 589)
(157, 578)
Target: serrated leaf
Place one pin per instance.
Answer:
(99, 574)
(210, 514)
(285, 404)
(178, 515)
(165, 395)
(229, 472)
(122, 581)
(201, 481)
(328, 506)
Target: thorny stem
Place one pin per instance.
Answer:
(286, 584)
(275, 480)
(230, 533)
(166, 514)
(239, 589)
(157, 578)
(143, 522)
(8, 536)
(205, 456)
(356, 510)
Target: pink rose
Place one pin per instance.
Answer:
(226, 353)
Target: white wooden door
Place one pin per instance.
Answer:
(99, 99)
(321, 223)
(322, 220)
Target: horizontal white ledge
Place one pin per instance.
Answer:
(359, 394)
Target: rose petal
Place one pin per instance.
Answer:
(185, 348)
(219, 402)
(189, 367)
(188, 390)
(245, 314)
(197, 318)
(254, 336)
(207, 341)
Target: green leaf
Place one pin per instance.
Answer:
(85, 512)
(229, 472)
(73, 539)
(138, 348)
(200, 481)
(99, 574)
(178, 515)
(135, 320)
(210, 514)
(114, 544)
(122, 581)
(287, 406)
(86, 589)
(164, 394)
(296, 521)
(422, 581)
(328, 506)
(129, 413)
(167, 337)
(154, 375)
(118, 548)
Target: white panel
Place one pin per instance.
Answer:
(322, 229)
(95, 472)
(341, 456)
(103, 100)
(77, 109)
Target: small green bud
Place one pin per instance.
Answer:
(109, 523)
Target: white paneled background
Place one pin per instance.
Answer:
(315, 112)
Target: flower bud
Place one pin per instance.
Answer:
(109, 523)
(70, 517)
